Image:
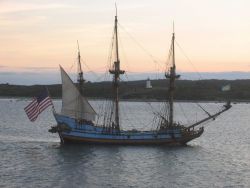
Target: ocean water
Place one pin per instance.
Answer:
(32, 157)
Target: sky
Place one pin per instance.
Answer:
(212, 36)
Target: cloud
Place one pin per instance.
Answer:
(39, 68)
(17, 14)
(8, 70)
(20, 21)
(11, 7)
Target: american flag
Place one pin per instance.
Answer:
(38, 105)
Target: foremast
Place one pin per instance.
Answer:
(116, 78)
(172, 76)
(80, 79)
(80, 82)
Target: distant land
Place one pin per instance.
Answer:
(39, 76)
(207, 90)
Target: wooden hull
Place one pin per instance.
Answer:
(90, 134)
(116, 140)
(82, 140)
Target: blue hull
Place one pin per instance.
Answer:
(87, 133)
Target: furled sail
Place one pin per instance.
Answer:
(73, 103)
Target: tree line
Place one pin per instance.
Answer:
(185, 90)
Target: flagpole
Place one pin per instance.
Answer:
(53, 107)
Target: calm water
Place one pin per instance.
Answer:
(32, 157)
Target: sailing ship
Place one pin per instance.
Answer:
(76, 122)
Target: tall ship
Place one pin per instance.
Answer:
(76, 123)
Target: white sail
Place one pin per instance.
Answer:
(73, 103)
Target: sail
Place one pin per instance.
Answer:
(73, 103)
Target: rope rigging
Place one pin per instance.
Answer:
(106, 115)
(195, 69)
(154, 59)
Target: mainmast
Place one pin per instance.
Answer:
(172, 77)
(116, 72)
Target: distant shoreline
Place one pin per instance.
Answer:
(186, 91)
(136, 100)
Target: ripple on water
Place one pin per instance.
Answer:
(31, 157)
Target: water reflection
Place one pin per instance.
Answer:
(31, 157)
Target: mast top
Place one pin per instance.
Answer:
(173, 27)
(79, 58)
(78, 47)
(80, 73)
(173, 38)
(115, 10)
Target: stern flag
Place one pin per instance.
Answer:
(38, 105)
(226, 87)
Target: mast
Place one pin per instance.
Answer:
(172, 77)
(80, 80)
(80, 73)
(116, 72)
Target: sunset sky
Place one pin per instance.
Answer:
(38, 35)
